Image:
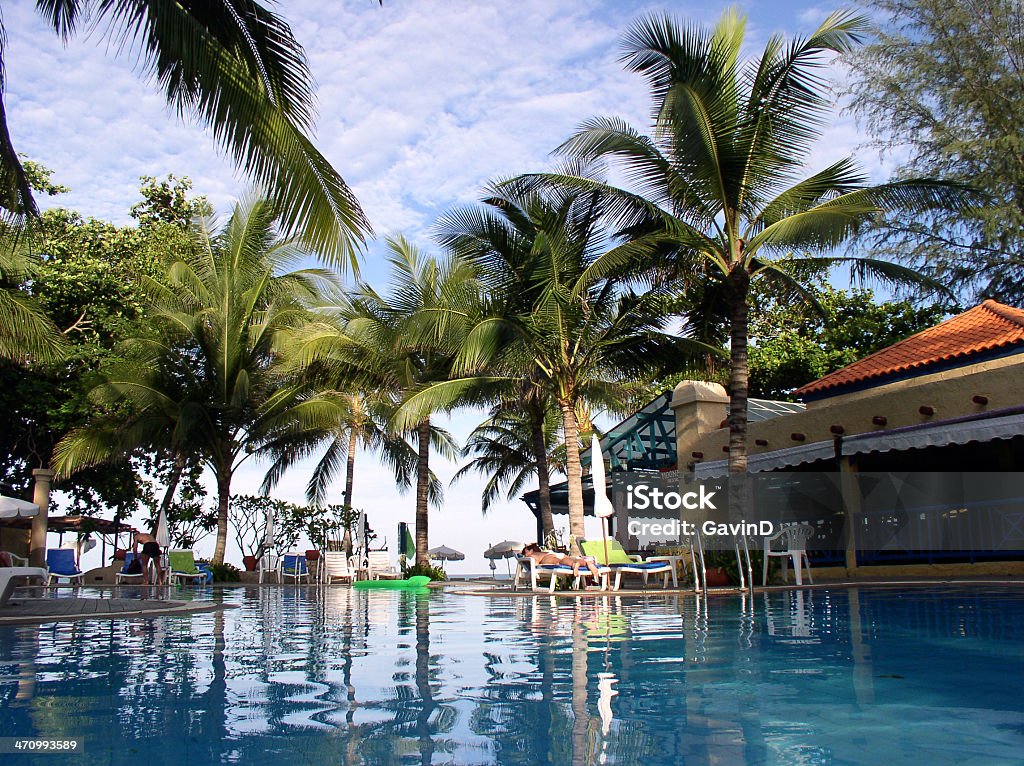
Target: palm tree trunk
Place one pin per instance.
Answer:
(574, 470)
(422, 484)
(223, 500)
(738, 384)
(540, 454)
(350, 464)
(172, 482)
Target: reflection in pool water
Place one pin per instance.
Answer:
(295, 675)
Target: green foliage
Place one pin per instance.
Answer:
(168, 201)
(225, 573)
(248, 516)
(795, 344)
(941, 84)
(428, 570)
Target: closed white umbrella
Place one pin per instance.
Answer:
(12, 508)
(603, 507)
(268, 531)
(163, 538)
(360, 537)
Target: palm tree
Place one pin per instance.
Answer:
(236, 67)
(504, 449)
(26, 332)
(204, 383)
(717, 199)
(583, 335)
(388, 346)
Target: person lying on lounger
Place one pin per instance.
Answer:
(549, 558)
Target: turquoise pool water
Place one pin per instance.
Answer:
(296, 676)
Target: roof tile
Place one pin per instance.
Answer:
(987, 327)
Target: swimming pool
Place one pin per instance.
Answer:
(297, 676)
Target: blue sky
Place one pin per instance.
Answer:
(420, 104)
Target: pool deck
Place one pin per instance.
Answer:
(21, 610)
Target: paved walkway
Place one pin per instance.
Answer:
(33, 610)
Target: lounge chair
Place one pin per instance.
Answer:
(293, 565)
(183, 567)
(270, 563)
(533, 571)
(61, 564)
(9, 575)
(379, 566)
(124, 574)
(338, 567)
(622, 563)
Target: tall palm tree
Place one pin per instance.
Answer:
(389, 346)
(716, 196)
(26, 332)
(236, 67)
(584, 335)
(503, 449)
(204, 383)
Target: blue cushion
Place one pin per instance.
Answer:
(642, 565)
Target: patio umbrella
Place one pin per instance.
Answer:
(361, 534)
(163, 538)
(506, 549)
(603, 507)
(268, 530)
(444, 553)
(12, 508)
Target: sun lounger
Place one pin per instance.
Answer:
(337, 566)
(61, 565)
(622, 563)
(124, 574)
(293, 565)
(379, 566)
(9, 576)
(533, 571)
(183, 567)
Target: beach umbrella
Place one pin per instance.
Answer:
(603, 507)
(444, 553)
(268, 530)
(163, 538)
(361, 533)
(506, 549)
(12, 508)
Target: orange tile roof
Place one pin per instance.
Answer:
(988, 327)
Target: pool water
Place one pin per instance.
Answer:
(337, 676)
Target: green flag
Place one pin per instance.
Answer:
(406, 545)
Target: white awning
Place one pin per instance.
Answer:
(771, 461)
(937, 435)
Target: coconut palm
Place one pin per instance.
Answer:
(26, 332)
(503, 450)
(717, 197)
(392, 344)
(204, 383)
(236, 67)
(583, 335)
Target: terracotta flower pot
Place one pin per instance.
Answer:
(119, 554)
(716, 577)
(249, 562)
(312, 555)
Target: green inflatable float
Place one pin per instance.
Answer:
(418, 581)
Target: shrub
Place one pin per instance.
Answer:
(225, 573)
(434, 573)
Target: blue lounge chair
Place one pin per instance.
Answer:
(294, 565)
(61, 564)
(622, 563)
(124, 574)
(533, 571)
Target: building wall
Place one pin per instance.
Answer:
(701, 407)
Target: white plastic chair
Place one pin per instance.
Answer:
(379, 565)
(270, 563)
(789, 543)
(337, 566)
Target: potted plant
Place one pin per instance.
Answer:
(719, 568)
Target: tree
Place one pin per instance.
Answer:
(235, 66)
(795, 344)
(26, 332)
(550, 318)
(384, 344)
(940, 84)
(716, 200)
(205, 385)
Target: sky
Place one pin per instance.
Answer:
(421, 104)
